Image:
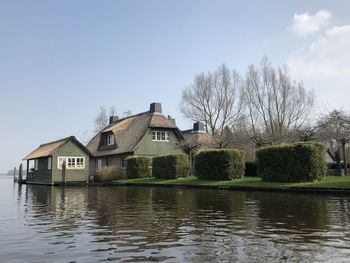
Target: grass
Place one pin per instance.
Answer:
(329, 182)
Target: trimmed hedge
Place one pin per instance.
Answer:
(219, 164)
(250, 169)
(296, 162)
(138, 167)
(171, 166)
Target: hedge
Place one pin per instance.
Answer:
(219, 164)
(108, 174)
(171, 166)
(296, 162)
(250, 169)
(138, 167)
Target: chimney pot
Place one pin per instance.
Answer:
(113, 119)
(155, 107)
(198, 127)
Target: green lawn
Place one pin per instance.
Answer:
(328, 182)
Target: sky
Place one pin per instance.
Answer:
(61, 60)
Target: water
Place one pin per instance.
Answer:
(138, 224)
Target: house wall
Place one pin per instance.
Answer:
(153, 148)
(72, 175)
(43, 174)
(113, 160)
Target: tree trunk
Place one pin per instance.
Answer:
(344, 156)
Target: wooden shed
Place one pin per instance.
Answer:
(49, 161)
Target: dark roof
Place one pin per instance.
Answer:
(129, 131)
(50, 148)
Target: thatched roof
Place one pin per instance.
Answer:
(202, 138)
(129, 131)
(50, 148)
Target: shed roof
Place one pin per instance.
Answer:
(50, 148)
(129, 131)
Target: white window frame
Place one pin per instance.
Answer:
(73, 160)
(160, 136)
(36, 164)
(98, 164)
(49, 163)
(110, 139)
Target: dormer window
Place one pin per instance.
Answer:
(160, 136)
(110, 139)
(107, 141)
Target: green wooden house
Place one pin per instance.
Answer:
(148, 133)
(50, 158)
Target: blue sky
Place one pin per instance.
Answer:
(61, 60)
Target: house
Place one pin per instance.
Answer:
(148, 133)
(197, 137)
(48, 160)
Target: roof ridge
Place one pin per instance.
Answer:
(123, 119)
(59, 140)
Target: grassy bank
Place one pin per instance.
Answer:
(341, 182)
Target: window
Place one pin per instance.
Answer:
(49, 163)
(80, 162)
(98, 164)
(109, 161)
(71, 162)
(110, 139)
(162, 136)
(36, 164)
(123, 162)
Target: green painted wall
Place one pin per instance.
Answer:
(43, 174)
(153, 148)
(72, 175)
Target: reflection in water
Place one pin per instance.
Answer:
(130, 224)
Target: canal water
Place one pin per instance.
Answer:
(139, 224)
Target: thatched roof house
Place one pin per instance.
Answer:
(148, 133)
(48, 159)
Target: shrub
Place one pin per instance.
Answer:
(171, 166)
(250, 169)
(138, 167)
(296, 162)
(219, 164)
(109, 173)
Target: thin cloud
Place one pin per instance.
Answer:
(324, 66)
(305, 24)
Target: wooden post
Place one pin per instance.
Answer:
(14, 175)
(14, 172)
(64, 172)
(20, 173)
(27, 168)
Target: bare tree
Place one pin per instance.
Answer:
(336, 126)
(275, 104)
(101, 120)
(214, 98)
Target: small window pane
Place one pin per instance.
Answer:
(49, 163)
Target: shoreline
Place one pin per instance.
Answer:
(314, 190)
(330, 185)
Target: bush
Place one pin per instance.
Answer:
(250, 169)
(109, 173)
(219, 164)
(296, 162)
(171, 166)
(138, 167)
